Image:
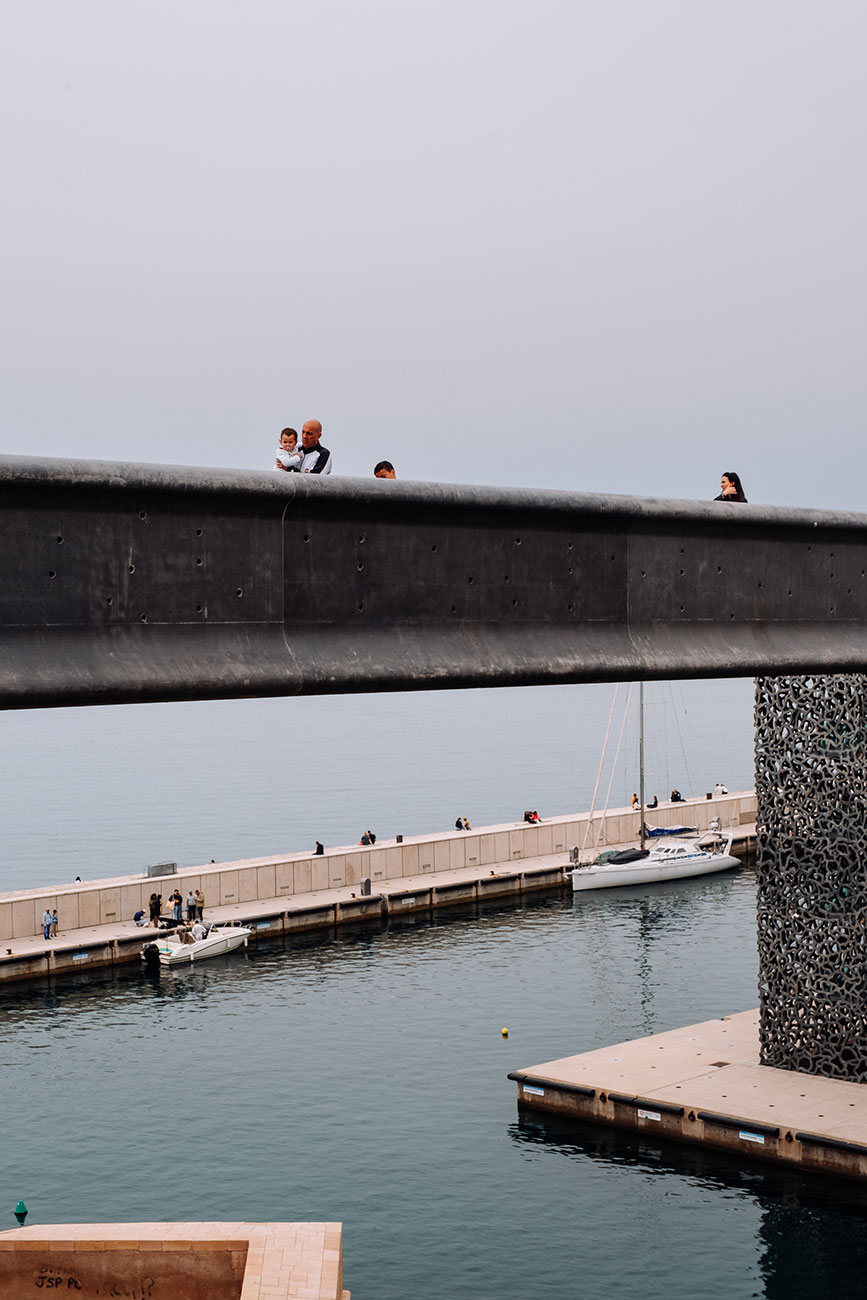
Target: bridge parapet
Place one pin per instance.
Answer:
(123, 583)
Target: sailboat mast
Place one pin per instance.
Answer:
(641, 757)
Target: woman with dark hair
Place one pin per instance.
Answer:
(731, 487)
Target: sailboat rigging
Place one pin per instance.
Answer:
(693, 857)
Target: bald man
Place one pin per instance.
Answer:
(315, 459)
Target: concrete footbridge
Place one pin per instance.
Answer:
(123, 583)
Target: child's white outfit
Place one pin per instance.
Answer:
(289, 459)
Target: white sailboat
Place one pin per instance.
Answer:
(700, 856)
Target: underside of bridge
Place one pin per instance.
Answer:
(133, 583)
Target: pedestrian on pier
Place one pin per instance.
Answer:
(200, 904)
(191, 906)
(177, 906)
(54, 923)
(154, 904)
(46, 924)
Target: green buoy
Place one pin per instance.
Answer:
(21, 1212)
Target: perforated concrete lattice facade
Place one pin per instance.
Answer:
(811, 789)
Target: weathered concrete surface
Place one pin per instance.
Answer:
(127, 582)
(704, 1084)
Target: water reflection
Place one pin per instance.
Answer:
(812, 1231)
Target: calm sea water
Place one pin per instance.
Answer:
(362, 1077)
(103, 792)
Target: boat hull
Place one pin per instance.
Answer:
(647, 871)
(215, 944)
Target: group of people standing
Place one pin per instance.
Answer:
(310, 458)
(195, 905)
(49, 923)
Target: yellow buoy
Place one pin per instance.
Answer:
(504, 1031)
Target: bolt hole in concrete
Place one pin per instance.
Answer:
(240, 591)
(198, 532)
(132, 568)
(60, 543)
(143, 617)
(109, 600)
(51, 573)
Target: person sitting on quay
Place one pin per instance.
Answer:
(139, 916)
(654, 803)
(635, 801)
(677, 797)
(467, 825)
(384, 469)
(459, 823)
(319, 850)
(719, 788)
(315, 458)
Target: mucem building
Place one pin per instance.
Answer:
(811, 787)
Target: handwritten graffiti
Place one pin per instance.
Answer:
(52, 1279)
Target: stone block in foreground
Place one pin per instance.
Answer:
(174, 1261)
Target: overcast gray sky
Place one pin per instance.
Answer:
(613, 247)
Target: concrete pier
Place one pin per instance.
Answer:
(95, 917)
(703, 1084)
(202, 1261)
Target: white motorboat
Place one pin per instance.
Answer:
(697, 857)
(179, 948)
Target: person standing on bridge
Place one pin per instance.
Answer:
(315, 458)
(730, 484)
